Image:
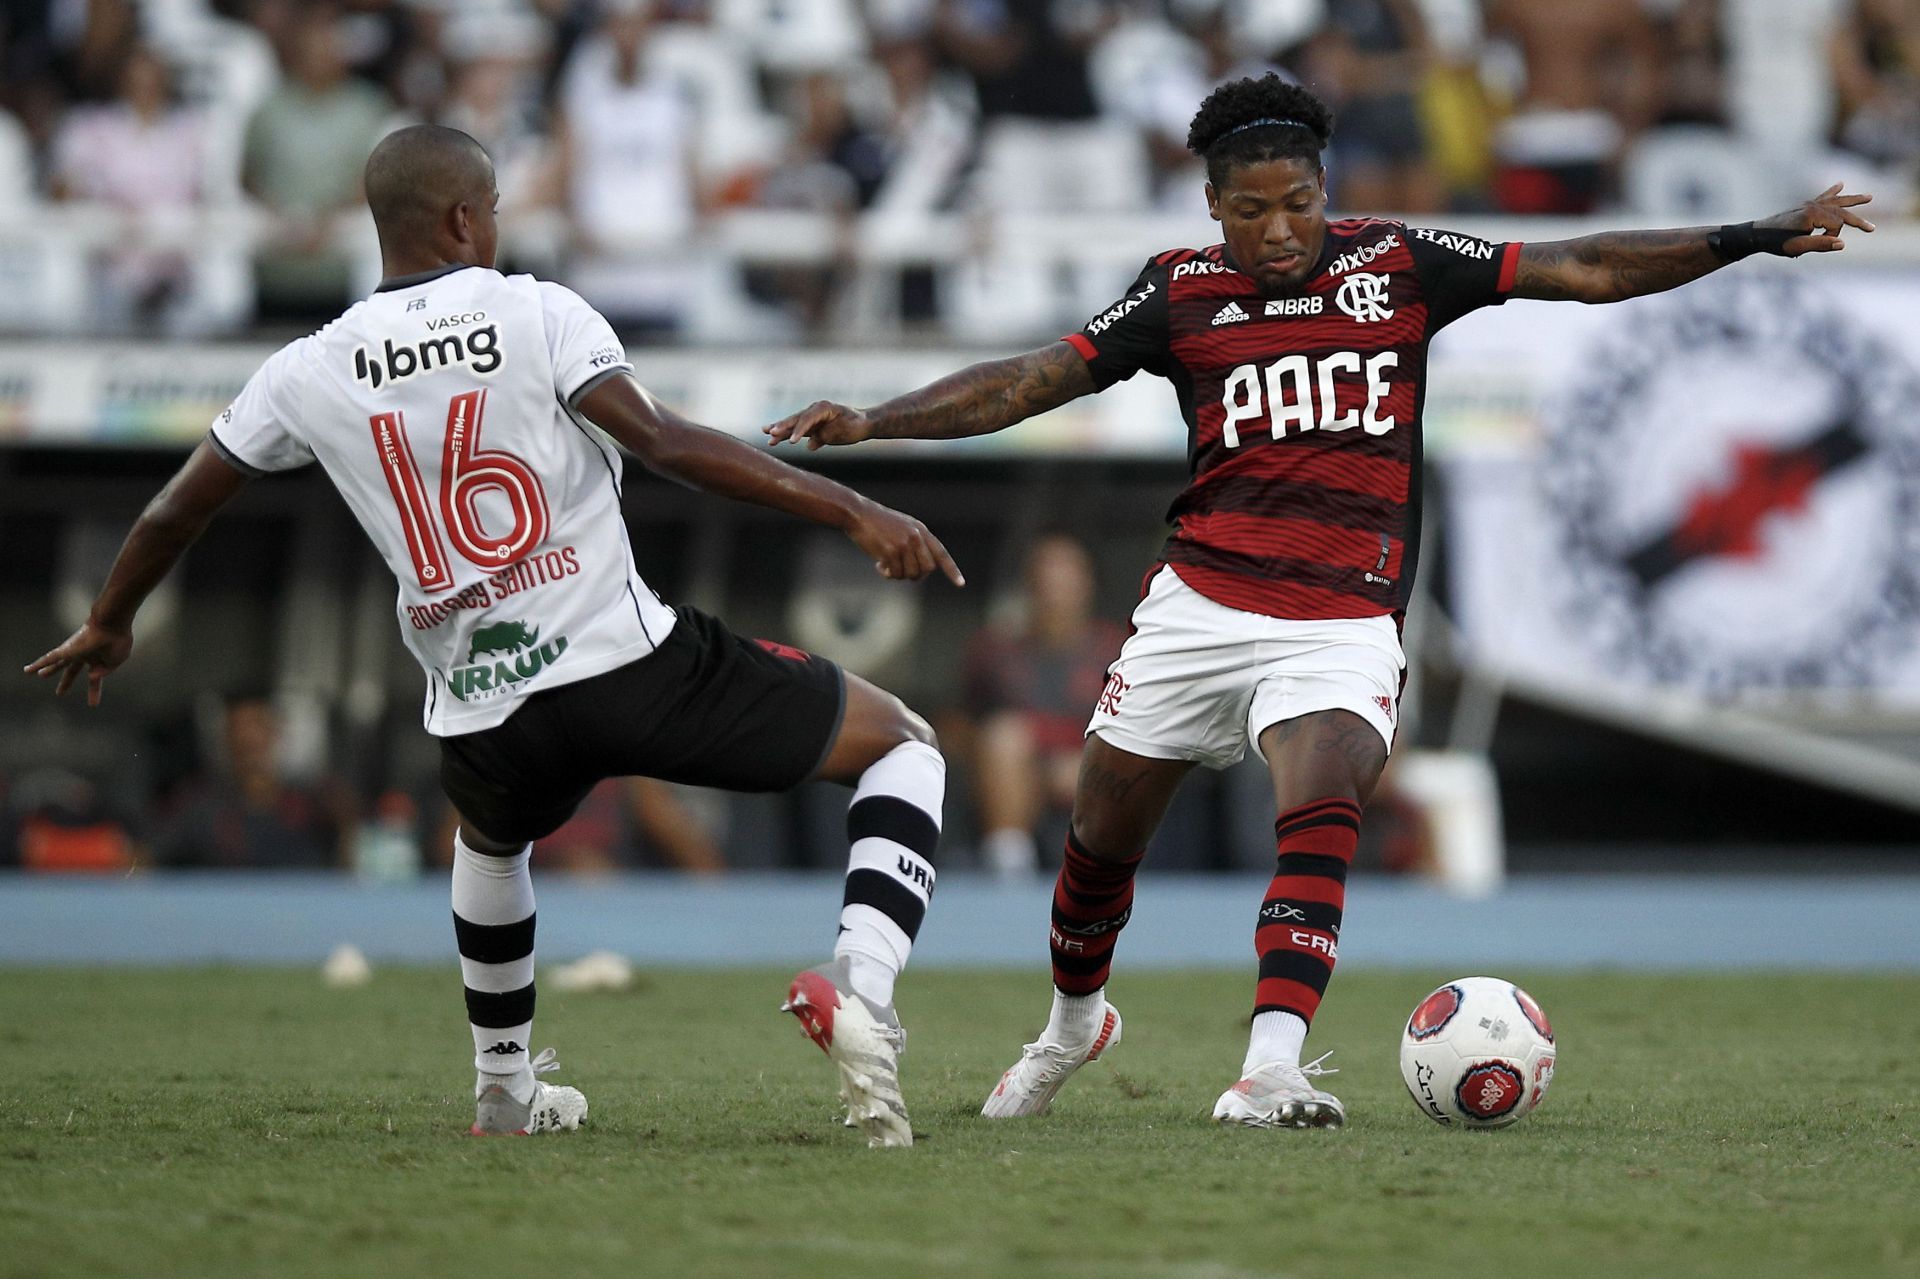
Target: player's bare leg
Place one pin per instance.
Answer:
(493, 923)
(888, 754)
(1324, 767)
(1119, 803)
(1121, 799)
(875, 723)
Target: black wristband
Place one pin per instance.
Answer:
(1743, 239)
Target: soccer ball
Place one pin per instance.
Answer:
(1477, 1052)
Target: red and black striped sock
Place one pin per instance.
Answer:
(1298, 934)
(1091, 902)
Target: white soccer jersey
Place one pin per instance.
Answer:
(440, 408)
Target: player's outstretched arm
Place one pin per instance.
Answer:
(712, 462)
(1615, 265)
(978, 400)
(170, 524)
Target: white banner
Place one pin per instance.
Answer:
(1716, 490)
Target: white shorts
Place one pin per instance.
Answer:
(1198, 680)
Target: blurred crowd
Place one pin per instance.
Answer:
(621, 127)
(236, 797)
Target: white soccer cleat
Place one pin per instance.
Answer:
(864, 1041)
(1029, 1085)
(552, 1108)
(1277, 1095)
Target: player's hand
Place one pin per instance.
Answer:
(93, 648)
(901, 546)
(1821, 217)
(823, 422)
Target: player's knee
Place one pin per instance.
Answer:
(1105, 841)
(910, 726)
(484, 844)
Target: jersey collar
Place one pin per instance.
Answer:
(420, 277)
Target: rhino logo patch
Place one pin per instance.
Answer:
(502, 637)
(518, 656)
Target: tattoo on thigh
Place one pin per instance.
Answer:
(1355, 741)
(1101, 781)
(1287, 729)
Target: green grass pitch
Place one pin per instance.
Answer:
(252, 1122)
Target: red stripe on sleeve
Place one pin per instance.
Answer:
(1509, 266)
(1078, 341)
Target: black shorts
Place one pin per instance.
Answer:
(707, 708)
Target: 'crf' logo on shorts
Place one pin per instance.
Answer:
(1110, 696)
(1386, 705)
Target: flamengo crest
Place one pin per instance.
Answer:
(1363, 295)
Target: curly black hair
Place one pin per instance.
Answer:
(1219, 133)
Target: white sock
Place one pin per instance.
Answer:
(1075, 1019)
(1010, 853)
(893, 825)
(1277, 1036)
(871, 977)
(493, 919)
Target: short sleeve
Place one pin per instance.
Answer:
(260, 431)
(1460, 273)
(1131, 334)
(580, 342)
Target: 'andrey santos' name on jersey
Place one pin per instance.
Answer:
(478, 349)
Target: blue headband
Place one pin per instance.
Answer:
(1261, 124)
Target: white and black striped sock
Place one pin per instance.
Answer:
(493, 923)
(893, 826)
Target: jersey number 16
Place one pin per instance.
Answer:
(465, 473)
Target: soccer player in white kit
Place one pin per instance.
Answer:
(465, 417)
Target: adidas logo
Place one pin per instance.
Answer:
(1229, 314)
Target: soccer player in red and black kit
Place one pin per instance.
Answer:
(1298, 351)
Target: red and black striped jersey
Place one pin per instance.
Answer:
(1303, 411)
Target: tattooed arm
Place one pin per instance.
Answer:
(1626, 264)
(978, 400)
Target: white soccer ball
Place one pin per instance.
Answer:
(1477, 1052)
